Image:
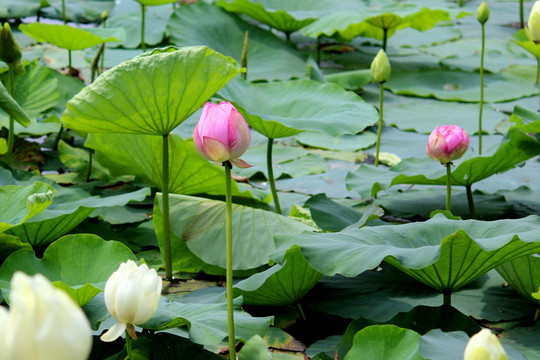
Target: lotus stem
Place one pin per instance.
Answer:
(229, 250)
(58, 137)
(143, 10)
(102, 65)
(481, 89)
(319, 50)
(385, 39)
(536, 315)
(538, 80)
(11, 134)
(470, 201)
(460, 3)
(271, 179)
(89, 173)
(301, 311)
(379, 129)
(521, 18)
(243, 59)
(64, 11)
(69, 63)
(288, 35)
(165, 201)
(448, 185)
(128, 347)
(447, 298)
(94, 67)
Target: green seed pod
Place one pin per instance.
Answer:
(380, 67)
(482, 14)
(10, 53)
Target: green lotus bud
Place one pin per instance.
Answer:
(380, 67)
(10, 53)
(482, 14)
(534, 23)
(104, 15)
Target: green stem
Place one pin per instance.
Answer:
(64, 11)
(58, 137)
(243, 58)
(319, 50)
(470, 200)
(229, 250)
(385, 39)
(143, 10)
(69, 62)
(271, 175)
(379, 129)
(481, 89)
(102, 65)
(536, 315)
(89, 173)
(460, 3)
(521, 19)
(11, 134)
(165, 201)
(447, 298)
(288, 36)
(301, 311)
(128, 347)
(538, 80)
(448, 185)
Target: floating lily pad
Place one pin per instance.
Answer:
(269, 57)
(454, 85)
(79, 10)
(69, 37)
(341, 143)
(79, 264)
(24, 203)
(19, 8)
(207, 323)
(281, 284)
(199, 225)
(140, 96)
(434, 252)
(283, 109)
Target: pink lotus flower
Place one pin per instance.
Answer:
(222, 134)
(447, 143)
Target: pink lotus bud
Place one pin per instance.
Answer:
(222, 134)
(447, 143)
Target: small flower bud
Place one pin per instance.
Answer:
(104, 15)
(10, 53)
(484, 346)
(533, 24)
(380, 67)
(482, 14)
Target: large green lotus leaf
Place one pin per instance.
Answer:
(141, 155)
(200, 224)
(79, 10)
(269, 57)
(523, 274)
(150, 94)
(351, 143)
(387, 342)
(77, 159)
(207, 323)
(524, 339)
(454, 85)
(522, 40)
(381, 294)
(255, 348)
(519, 148)
(35, 91)
(370, 23)
(331, 183)
(281, 284)
(9, 244)
(285, 15)
(368, 180)
(70, 208)
(80, 264)
(19, 8)
(301, 105)
(154, 2)
(10, 106)
(444, 254)
(68, 37)
(22, 203)
(352, 79)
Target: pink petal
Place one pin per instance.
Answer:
(216, 150)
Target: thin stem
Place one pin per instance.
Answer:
(288, 36)
(102, 65)
(460, 2)
(447, 298)
(58, 137)
(89, 173)
(243, 58)
(319, 50)
(64, 11)
(143, 10)
(165, 200)
(11, 135)
(301, 311)
(271, 175)
(470, 200)
(536, 315)
(481, 89)
(448, 185)
(229, 249)
(69, 62)
(128, 346)
(538, 80)
(521, 19)
(379, 129)
(385, 38)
